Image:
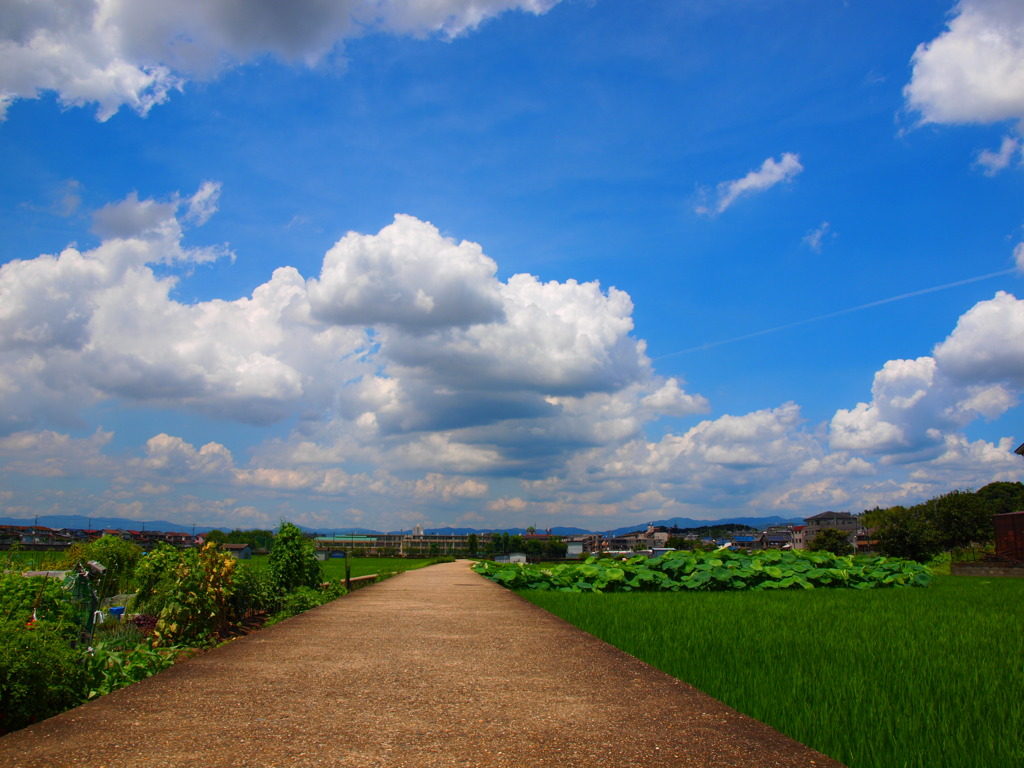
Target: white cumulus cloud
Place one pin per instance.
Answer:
(974, 71)
(135, 53)
(406, 275)
(976, 372)
(406, 351)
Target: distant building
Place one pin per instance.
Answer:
(815, 524)
(239, 551)
(775, 537)
(514, 557)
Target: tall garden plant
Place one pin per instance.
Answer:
(293, 560)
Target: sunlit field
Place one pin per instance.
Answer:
(880, 678)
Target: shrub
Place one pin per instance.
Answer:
(254, 591)
(40, 674)
(301, 599)
(333, 590)
(717, 571)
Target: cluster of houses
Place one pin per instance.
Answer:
(773, 537)
(39, 536)
(418, 542)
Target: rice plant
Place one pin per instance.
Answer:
(918, 678)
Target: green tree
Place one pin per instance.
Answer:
(903, 532)
(472, 543)
(257, 538)
(293, 560)
(962, 518)
(555, 548)
(1003, 497)
(216, 535)
(832, 540)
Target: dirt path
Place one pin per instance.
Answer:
(435, 667)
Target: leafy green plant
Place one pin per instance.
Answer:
(109, 667)
(293, 561)
(722, 570)
(254, 591)
(27, 600)
(301, 599)
(119, 635)
(188, 590)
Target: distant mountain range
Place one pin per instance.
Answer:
(689, 522)
(81, 521)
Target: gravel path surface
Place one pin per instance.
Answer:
(434, 667)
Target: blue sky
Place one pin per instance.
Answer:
(508, 262)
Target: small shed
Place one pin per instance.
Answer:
(240, 551)
(1010, 535)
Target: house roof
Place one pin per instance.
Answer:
(830, 516)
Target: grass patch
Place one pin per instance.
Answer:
(32, 560)
(334, 568)
(920, 678)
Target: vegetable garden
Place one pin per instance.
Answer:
(54, 654)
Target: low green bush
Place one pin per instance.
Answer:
(40, 673)
(253, 591)
(109, 667)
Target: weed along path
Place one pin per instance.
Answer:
(434, 667)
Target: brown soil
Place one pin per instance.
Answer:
(435, 667)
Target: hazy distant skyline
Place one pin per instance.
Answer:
(504, 263)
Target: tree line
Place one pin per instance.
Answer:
(958, 519)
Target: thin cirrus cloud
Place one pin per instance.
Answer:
(771, 173)
(992, 162)
(136, 54)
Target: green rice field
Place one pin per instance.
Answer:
(915, 678)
